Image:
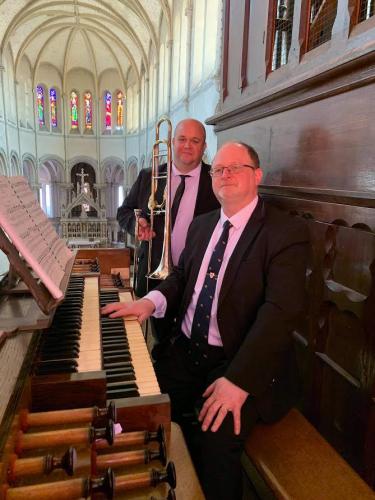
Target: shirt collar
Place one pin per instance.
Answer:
(240, 219)
(193, 173)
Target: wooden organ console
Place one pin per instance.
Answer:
(81, 411)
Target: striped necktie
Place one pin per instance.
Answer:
(177, 199)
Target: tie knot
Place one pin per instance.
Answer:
(227, 225)
(183, 177)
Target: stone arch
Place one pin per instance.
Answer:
(55, 165)
(83, 178)
(131, 171)
(14, 164)
(50, 175)
(83, 159)
(3, 163)
(111, 168)
(114, 177)
(29, 169)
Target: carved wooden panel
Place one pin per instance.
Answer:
(225, 62)
(336, 340)
(245, 45)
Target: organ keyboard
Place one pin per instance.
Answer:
(90, 358)
(83, 359)
(57, 355)
(80, 341)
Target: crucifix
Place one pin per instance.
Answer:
(82, 175)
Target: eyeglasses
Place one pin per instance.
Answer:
(231, 169)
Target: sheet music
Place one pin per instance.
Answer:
(32, 233)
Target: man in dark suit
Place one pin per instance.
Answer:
(239, 288)
(189, 144)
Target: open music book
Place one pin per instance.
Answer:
(32, 234)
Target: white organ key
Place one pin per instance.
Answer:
(144, 371)
(90, 358)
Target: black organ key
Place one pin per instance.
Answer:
(59, 348)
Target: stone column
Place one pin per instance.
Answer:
(189, 15)
(2, 71)
(169, 46)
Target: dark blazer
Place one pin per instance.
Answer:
(261, 296)
(138, 198)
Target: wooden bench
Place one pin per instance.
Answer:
(295, 462)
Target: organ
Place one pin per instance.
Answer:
(75, 383)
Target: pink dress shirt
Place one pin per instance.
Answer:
(238, 221)
(186, 208)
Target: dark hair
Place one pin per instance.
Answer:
(251, 152)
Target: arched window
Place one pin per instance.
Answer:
(40, 106)
(74, 110)
(120, 110)
(87, 98)
(108, 110)
(53, 107)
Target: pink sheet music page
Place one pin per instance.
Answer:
(32, 233)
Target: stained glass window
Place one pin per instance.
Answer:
(53, 107)
(40, 105)
(88, 110)
(74, 110)
(120, 109)
(108, 110)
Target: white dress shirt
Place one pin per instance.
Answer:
(238, 221)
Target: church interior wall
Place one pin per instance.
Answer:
(166, 82)
(27, 141)
(113, 146)
(25, 98)
(9, 87)
(49, 76)
(13, 142)
(3, 145)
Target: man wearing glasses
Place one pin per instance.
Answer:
(239, 288)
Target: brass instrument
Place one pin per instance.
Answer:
(165, 266)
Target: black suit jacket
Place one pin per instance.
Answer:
(138, 198)
(261, 296)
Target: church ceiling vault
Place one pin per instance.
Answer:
(95, 35)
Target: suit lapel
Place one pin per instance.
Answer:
(247, 238)
(205, 233)
(204, 188)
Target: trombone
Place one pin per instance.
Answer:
(165, 266)
(155, 209)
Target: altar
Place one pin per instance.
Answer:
(83, 222)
